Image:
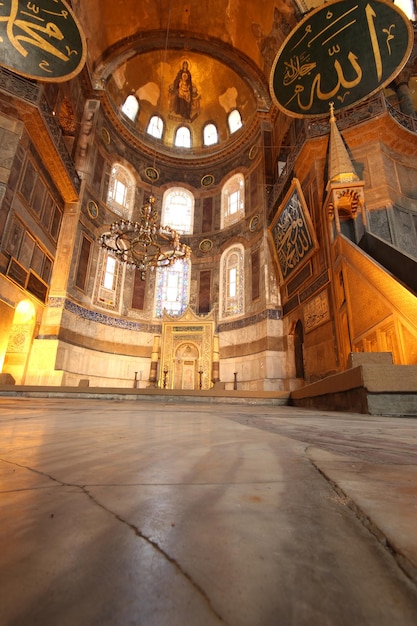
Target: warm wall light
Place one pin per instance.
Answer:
(25, 312)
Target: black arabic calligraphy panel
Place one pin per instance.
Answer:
(41, 39)
(292, 234)
(341, 53)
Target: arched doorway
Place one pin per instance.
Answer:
(186, 367)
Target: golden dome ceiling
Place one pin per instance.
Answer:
(228, 47)
(216, 90)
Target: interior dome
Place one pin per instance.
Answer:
(183, 89)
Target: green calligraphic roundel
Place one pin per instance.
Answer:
(342, 52)
(41, 40)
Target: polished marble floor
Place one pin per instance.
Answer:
(152, 514)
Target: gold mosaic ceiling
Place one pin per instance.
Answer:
(228, 45)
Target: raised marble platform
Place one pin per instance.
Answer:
(372, 384)
(220, 396)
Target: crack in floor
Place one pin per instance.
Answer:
(407, 566)
(132, 527)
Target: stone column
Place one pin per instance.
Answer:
(216, 360)
(154, 361)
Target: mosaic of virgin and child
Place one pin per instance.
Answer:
(184, 98)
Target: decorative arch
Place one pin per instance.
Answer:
(186, 365)
(232, 283)
(232, 201)
(178, 210)
(234, 121)
(182, 137)
(121, 191)
(109, 282)
(130, 107)
(155, 127)
(210, 134)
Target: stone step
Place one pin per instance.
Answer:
(274, 398)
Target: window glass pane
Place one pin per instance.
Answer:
(235, 121)
(130, 107)
(232, 282)
(155, 127)
(183, 137)
(210, 135)
(172, 289)
(109, 273)
(121, 191)
(233, 201)
(178, 210)
(232, 285)
(109, 282)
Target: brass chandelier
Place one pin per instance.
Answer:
(144, 244)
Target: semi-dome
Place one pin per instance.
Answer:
(157, 94)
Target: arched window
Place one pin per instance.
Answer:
(121, 192)
(234, 121)
(109, 273)
(183, 137)
(155, 127)
(178, 210)
(232, 281)
(233, 201)
(407, 7)
(210, 135)
(130, 107)
(108, 283)
(172, 288)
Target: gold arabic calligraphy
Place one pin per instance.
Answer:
(316, 90)
(33, 26)
(326, 59)
(291, 236)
